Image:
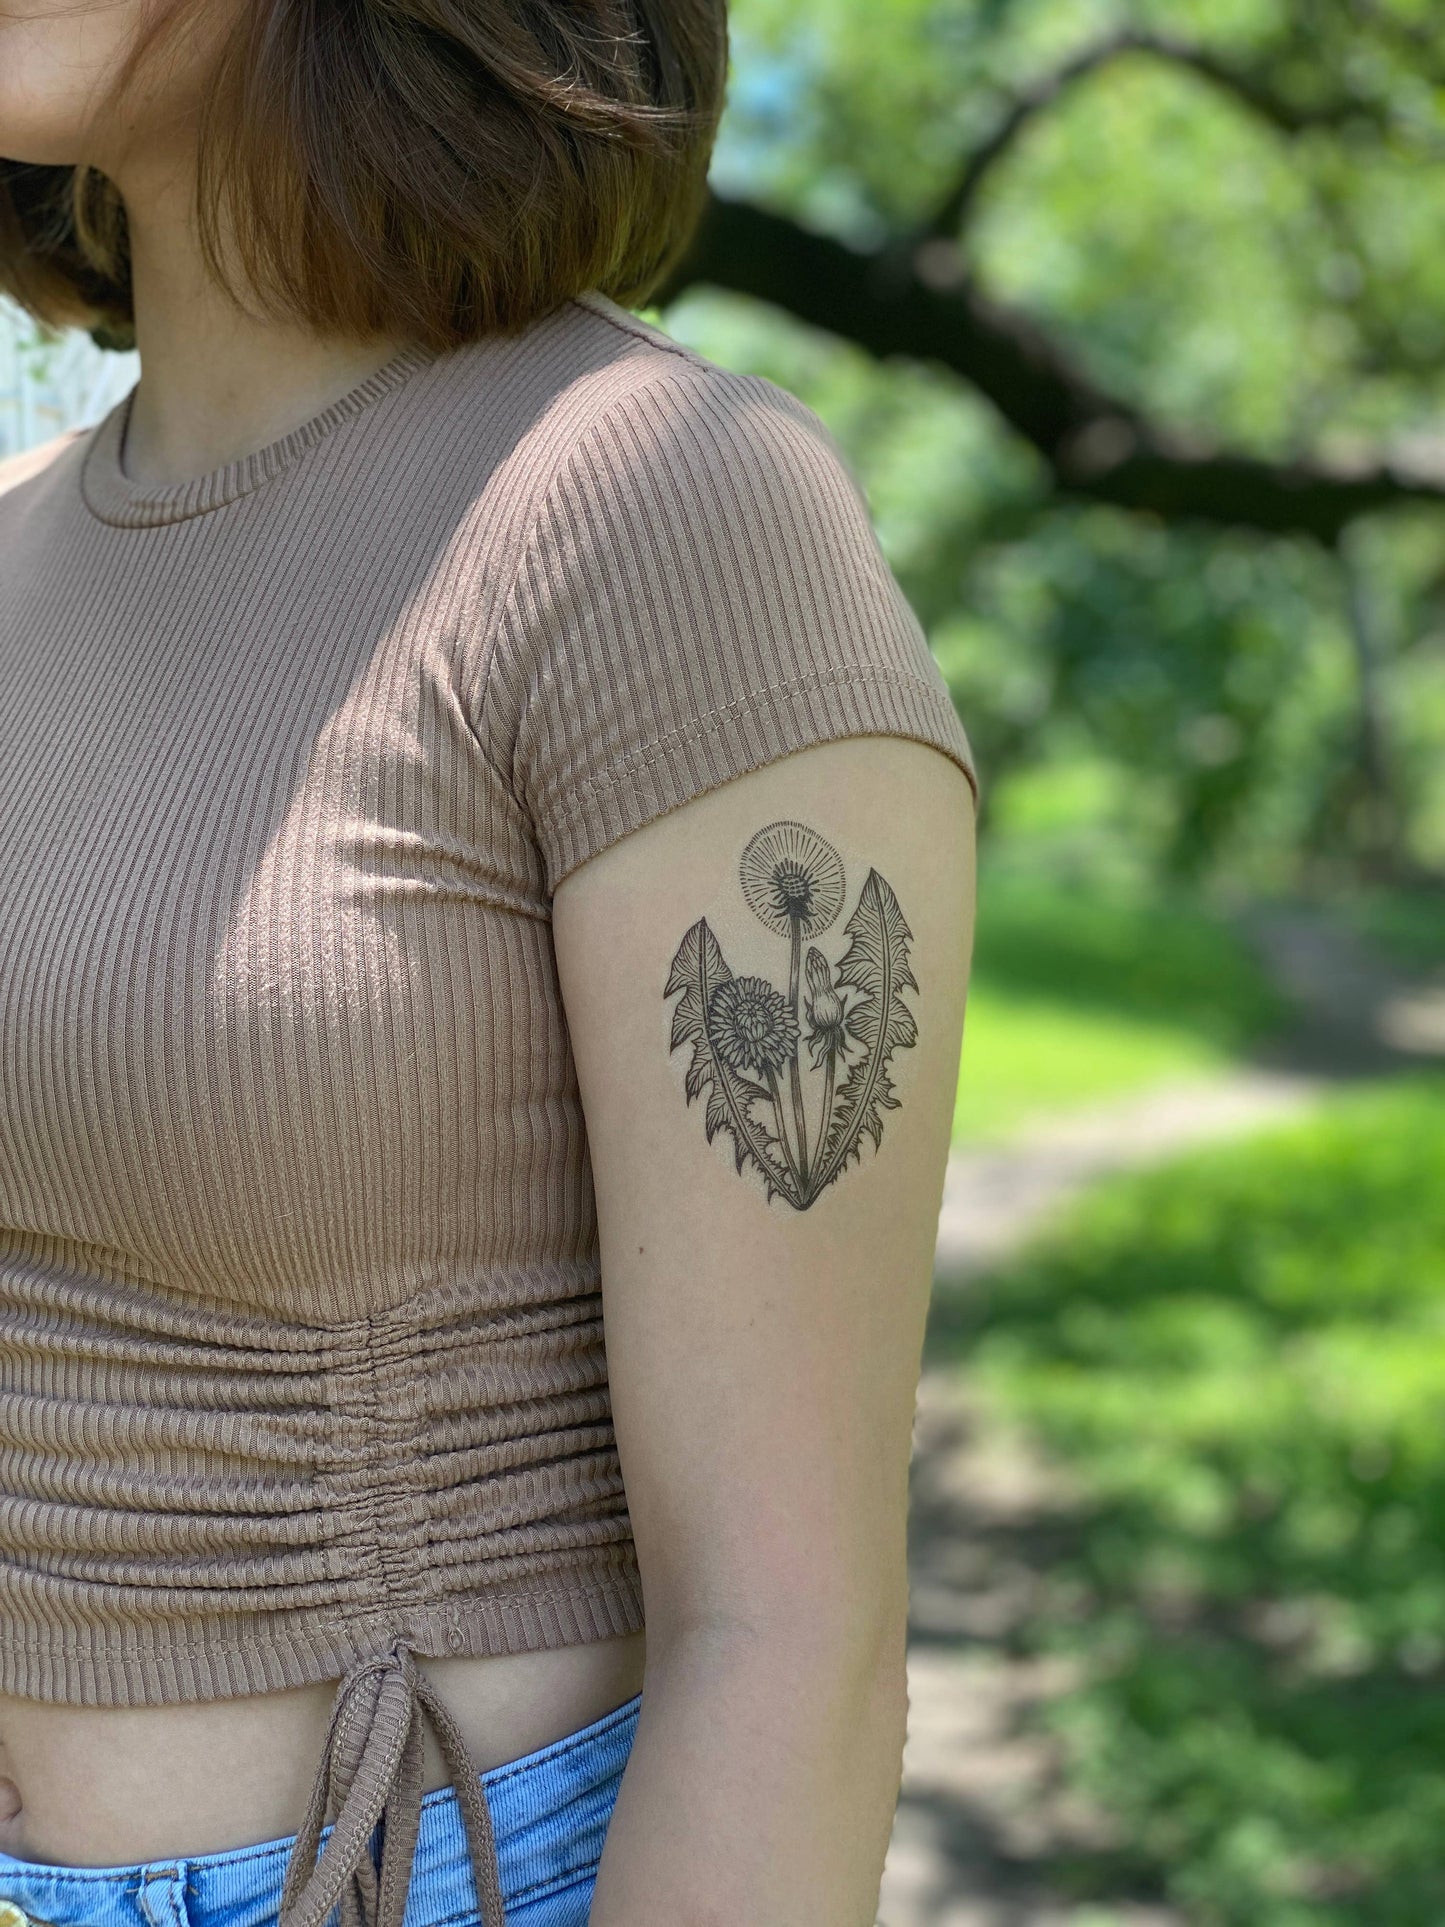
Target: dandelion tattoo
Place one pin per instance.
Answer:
(746, 1036)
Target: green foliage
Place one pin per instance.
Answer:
(1241, 1361)
(1146, 182)
(1263, 283)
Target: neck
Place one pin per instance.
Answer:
(217, 380)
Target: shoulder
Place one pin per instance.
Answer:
(30, 462)
(597, 452)
(656, 419)
(656, 475)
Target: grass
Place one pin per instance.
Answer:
(1083, 992)
(1240, 1360)
(1025, 1056)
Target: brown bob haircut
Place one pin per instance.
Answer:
(434, 169)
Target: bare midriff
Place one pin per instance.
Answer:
(103, 1786)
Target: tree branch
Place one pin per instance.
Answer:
(1286, 116)
(1095, 444)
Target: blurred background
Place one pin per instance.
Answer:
(1131, 321)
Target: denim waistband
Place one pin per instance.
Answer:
(550, 1811)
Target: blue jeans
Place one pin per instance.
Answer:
(550, 1811)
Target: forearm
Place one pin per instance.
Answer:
(761, 1787)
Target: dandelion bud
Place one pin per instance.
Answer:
(825, 1007)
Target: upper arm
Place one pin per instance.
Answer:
(703, 643)
(764, 1338)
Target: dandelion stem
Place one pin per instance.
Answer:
(796, 1079)
(782, 1133)
(827, 1117)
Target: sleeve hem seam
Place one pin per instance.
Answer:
(709, 723)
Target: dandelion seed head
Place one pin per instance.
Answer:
(792, 879)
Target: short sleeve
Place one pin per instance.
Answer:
(702, 593)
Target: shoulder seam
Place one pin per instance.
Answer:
(637, 332)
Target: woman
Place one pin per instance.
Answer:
(484, 843)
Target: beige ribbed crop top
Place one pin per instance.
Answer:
(301, 1348)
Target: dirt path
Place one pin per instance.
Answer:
(994, 1198)
(983, 1826)
(986, 1833)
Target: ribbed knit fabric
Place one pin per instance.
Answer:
(301, 1342)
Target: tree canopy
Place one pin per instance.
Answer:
(1187, 264)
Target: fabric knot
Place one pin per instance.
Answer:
(371, 1770)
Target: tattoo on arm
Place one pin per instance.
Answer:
(747, 1036)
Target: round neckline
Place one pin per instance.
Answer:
(113, 496)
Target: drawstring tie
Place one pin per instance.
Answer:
(372, 1768)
